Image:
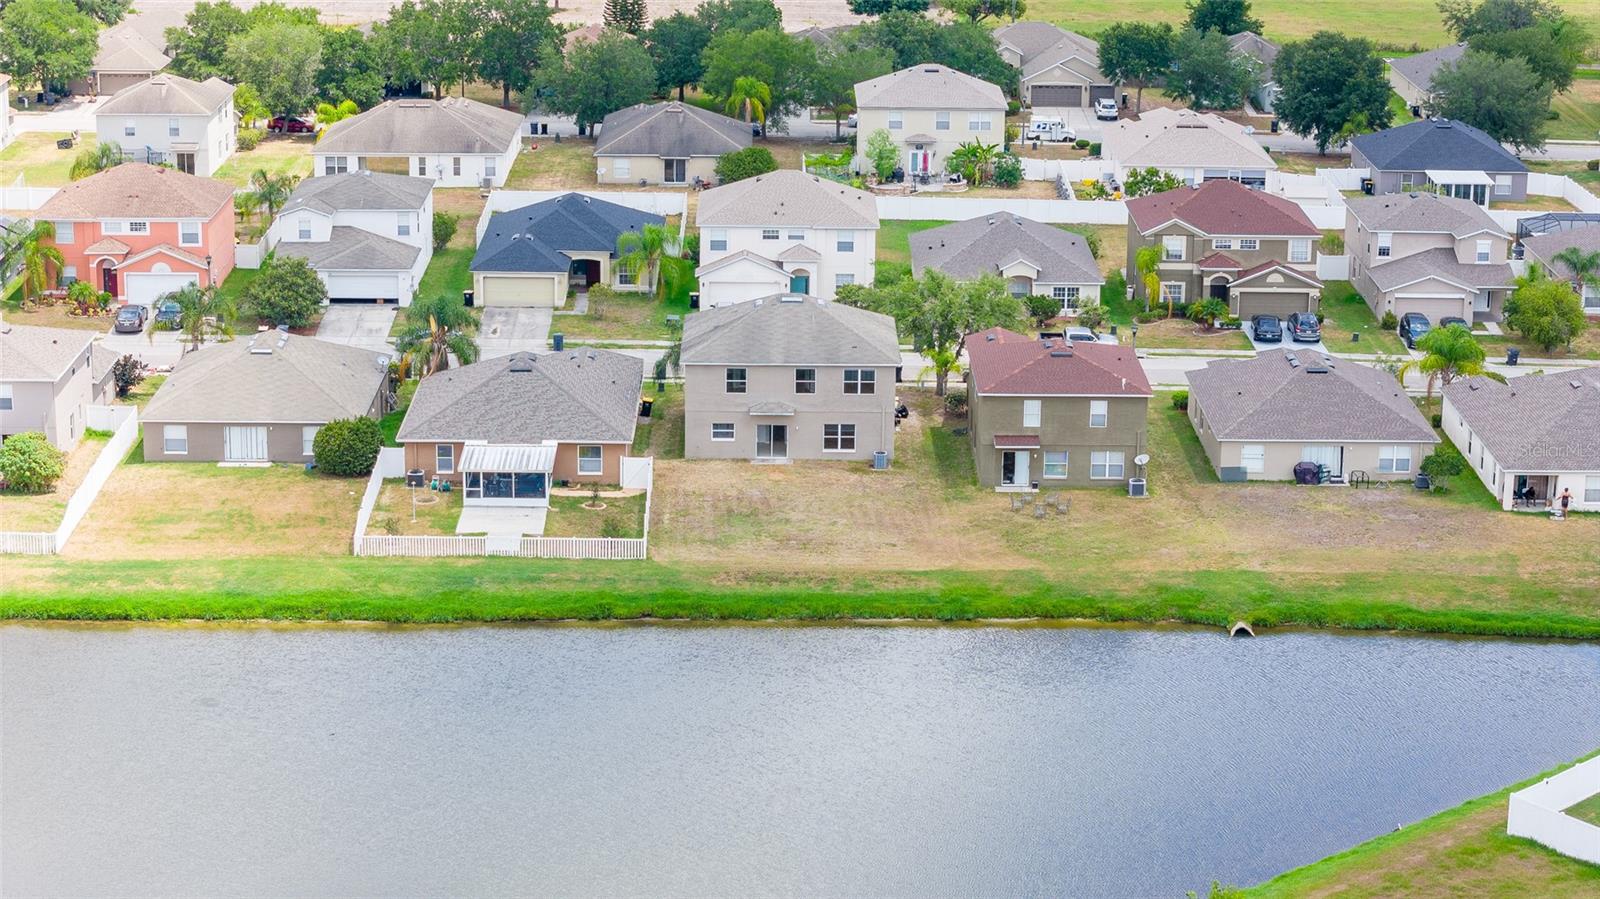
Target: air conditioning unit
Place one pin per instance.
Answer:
(1136, 487)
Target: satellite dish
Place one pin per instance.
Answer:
(1142, 459)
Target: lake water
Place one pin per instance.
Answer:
(740, 761)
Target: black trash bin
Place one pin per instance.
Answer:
(1513, 354)
(645, 405)
(468, 297)
(558, 341)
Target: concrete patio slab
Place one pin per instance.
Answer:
(502, 521)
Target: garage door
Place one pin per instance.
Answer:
(499, 291)
(1279, 304)
(145, 288)
(1046, 95)
(1102, 92)
(362, 288)
(1434, 309)
(110, 84)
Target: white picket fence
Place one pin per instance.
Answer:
(654, 202)
(124, 422)
(1536, 812)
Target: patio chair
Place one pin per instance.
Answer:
(1064, 507)
(1038, 510)
(1018, 501)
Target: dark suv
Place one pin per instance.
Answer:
(1412, 326)
(1266, 328)
(1303, 327)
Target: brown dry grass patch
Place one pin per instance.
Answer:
(43, 511)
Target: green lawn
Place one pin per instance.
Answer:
(623, 516)
(634, 316)
(1345, 313)
(390, 423)
(233, 286)
(449, 272)
(1586, 346)
(894, 238)
(1577, 110)
(662, 435)
(276, 155)
(1587, 810)
(34, 155)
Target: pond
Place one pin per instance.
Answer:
(722, 761)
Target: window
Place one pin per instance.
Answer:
(64, 234)
(1299, 251)
(308, 439)
(840, 279)
(735, 380)
(1393, 459)
(1032, 410)
(1222, 243)
(941, 121)
(838, 438)
(172, 127)
(796, 234)
(1099, 411)
(455, 165)
(1058, 293)
(845, 242)
(979, 121)
(189, 234)
(69, 274)
(805, 380)
(769, 233)
(1484, 248)
(5, 397)
(1502, 185)
(138, 227)
(722, 431)
(860, 381)
(1172, 248)
(1105, 466)
(1171, 291)
(304, 228)
(718, 239)
(1591, 489)
(623, 169)
(1253, 457)
(175, 439)
(1249, 243)
(1384, 241)
(1408, 181)
(444, 458)
(422, 166)
(402, 224)
(1055, 464)
(129, 126)
(1068, 296)
(625, 276)
(110, 227)
(591, 460)
(335, 165)
(897, 120)
(488, 167)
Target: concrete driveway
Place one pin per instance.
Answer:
(1081, 121)
(361, 326)
(503, 331)
(1285, 344)
(156, 349)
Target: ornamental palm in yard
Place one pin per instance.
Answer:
(1585, 267)
(1145, 260)
(28, 246)
(750, 97)
(641, 252)
(203, 312)
(273, 190)
(1448, 353)
(435, 330)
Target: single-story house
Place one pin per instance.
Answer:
(1058, 68)
(1194, 146)
(48, 379)
(455, 141)
(1544, 248)
(368, 235)
(1440, 156)
(1258, 418)
(1263, 54)
(534, 255)
(1032, 257)
(1412, 76)
(1530, 438)
(261, 399)
(672, 144)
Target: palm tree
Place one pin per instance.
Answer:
(1585, 267)
(1145, 261)
(203, 313)
(751, 97)
(1206, 312)
(1448, 353)
(974, 158)
(29, 246)
(642, 251)
(273, 190)
(435, 330)
(96, 159)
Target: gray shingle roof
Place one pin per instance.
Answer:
(673, 130)
(979, 246)
(1165, 137)
(787, 197)
(1535, 422)
(1545, 247)
(928, 86)
(1265, 398)
(1419, 68)
(534, 238)
(352, 249)
(1029, 37)
(1439, 263)
(451, 125)
(1258, 48)
(29, 353)
(1423, 213)
(303, 380)
(359, 190)
(525, 398)
(1436, 144)
(1070, 46)
(789, 330)
(129, 47)
(168, 94)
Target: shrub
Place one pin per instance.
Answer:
(1013, 107)
(691, 247)
(1388, 322)
(1593, 165)
(1094, 148)
(1007, 171)
(1437, 420)
(347, 447)
(1180, 400)
(126, 373)
(1546, 312)
(444, 228)
(891, 273)
(86, 300)
(248, 138)
(1444, 462)
(1042, 307)
(1145, 318)
(29, 464)
(287, 292)
(1081, 143)
(955, 402)
(1332, 243)
(746, 163)
(1092, 316)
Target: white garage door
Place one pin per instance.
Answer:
(145, 288)
(244, 444)
(1434, 308)
(362, 288)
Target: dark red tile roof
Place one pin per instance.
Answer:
(1219, 260)
(1005, 362)
(1223, 207)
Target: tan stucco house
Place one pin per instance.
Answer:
(1194, 147)
(1531, 438)
(929, 110)
(534, 255)
(48, 379)
(1031, 257)
(1430, 254)
(671, 144)
(1412, 76)
(1057, 68)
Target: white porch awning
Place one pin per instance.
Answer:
(1458, 176)
(514, 458)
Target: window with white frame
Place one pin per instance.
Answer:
(805, 380)
(1058, 293)
(845, 241)
(1591, 489)
(444, 458)
(129, 127)
(722, 431)
(6, 397)
(1222, 243)
(1172, 248)
(623, 169)
(138, 227)
(734, 380)
(769, 233)
(625, 276)
(422, 166)
(335, 165)
(840, 279)
(1171, 291)
(860, 381)
(1032, 412)
(1394, 459)
(69, 274)
(941, 120)
(1253, 457)
(1099, 411)
(979, 121)
(113, 227)
(1484, 248)
(838, 438)
(402, 224)
(303, 230)
(1055, 464)
(172, 127)
(897, 120)
(1249, 243)
(189, 234)
(1385, 240)
(1300, 250)
(796, 233)
(64, 233)
(308, 439)
(1408, 180)
(591, 460)
(717, 239)
(1502, 185)
(175, 439)
(1105, 466)
(455, 165)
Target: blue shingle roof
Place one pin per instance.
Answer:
(537, 238)
(1436, 144)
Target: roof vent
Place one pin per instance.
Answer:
(1293, 362)
(989, 337)
(1576, 385)
(1062, 353)
(1316, 370)
(262, 350)
(1442, 123)
(521, 362)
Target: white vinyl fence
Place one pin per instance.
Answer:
(19, 197)
(1536, 812)
(654, 202)
(1091, 212)
(1333, 268)
(1071, 169)
(249, 255)
(124, 422)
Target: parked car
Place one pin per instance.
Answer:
(167, 316)
(1105, 109)
(131, 318)
(851, 121)
(1449, 320)
(1412, 326)
(291, 125)
(1304, 327)
(1049, 128)
(1081, 333)
(1266, 328)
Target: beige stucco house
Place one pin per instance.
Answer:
(1532, 438)
(172, 121)
(1412, 76)
(1031, 257)
(455, 141)
(1421, 252)
(48, 379)
(1194, 147)
(929, 110)
(535, 255)
(671, 144)
(1057, 68)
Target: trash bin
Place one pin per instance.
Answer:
(694, 299)
(468, 297)
(645, 405)
(1274, 124)
(1355, 336)
(1512, 355)
(558, 341)
(1423, 482)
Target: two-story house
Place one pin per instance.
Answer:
(1443, 157)
(1052, 412)
(1223, 240)
(368, 235)
(1033, 258)
(171, 120)
(1430, 254)
(1058, 68)
(789, 377)
(455, 141)
(929, 110)
(48, 379)
(1194, 147)
(784, 232)
(139, 231)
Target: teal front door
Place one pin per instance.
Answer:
(800, 284)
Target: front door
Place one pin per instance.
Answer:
(1219, 289)
(244, 444)
(186, 163)
(1014, 468)
(108, 279)
(772, 441)
(800, 284)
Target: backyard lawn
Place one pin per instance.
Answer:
(548, 165)
(42, 511)
(434, 512)
(623, 516)
(1587, 810)
(1345, 313)
(277, 154)
(1578, 109)
(894, 240)
(662, 435)
(33, 155)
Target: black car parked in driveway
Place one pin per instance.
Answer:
(1266, 328)
(1449, 320)
(167, 316)
(1304, 327)
(131, 318)
(1412, 326)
